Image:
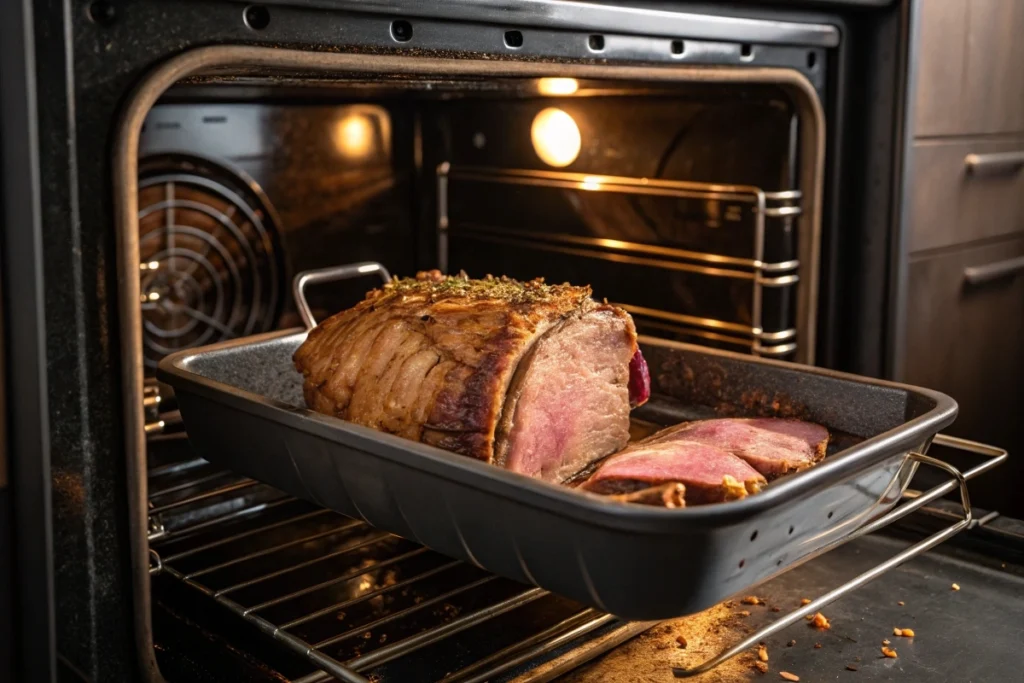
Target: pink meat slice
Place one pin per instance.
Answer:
(709, 474)
(772, 446)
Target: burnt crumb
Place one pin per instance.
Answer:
(791, 643)
(851, 667)
(682, 641)
(776, 609)
(820, 622)
(817, 646)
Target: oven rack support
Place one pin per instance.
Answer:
(916, 500)
(763, 205)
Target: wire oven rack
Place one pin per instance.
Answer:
(782, 205)
(351, 599)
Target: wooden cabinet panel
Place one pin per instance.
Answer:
(993, 93)
(942, 52)
(968, 341)
(970, 68)
(951, 205)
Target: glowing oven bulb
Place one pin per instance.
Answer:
(556, 137)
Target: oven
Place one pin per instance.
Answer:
(718, 172)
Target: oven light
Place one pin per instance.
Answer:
(556, 137)
(557, 86)
(353, 136)
(592, 183)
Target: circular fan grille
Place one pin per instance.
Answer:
(211, 268)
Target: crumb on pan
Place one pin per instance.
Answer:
(776, 609)
(889, 652)
(901, 603)
(744, 613)
(886, 642)
(786, 676)
(955, 586)
(903, 632)
(817, 646)
(752, 600)
(851, 667)
(762, 653)
(805, 601)
(682, 641)
(761, 666)
(819, 621)
(791, 643)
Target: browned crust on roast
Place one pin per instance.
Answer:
(479, 329)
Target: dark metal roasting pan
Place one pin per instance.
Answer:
(242, 406)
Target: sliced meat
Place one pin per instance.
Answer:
(710, 475)
(534, 377)
(772, 446)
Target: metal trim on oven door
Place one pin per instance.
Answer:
(125, 169)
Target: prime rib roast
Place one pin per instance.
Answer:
(537, 378)
(713, 460)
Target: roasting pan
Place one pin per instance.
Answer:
(241, 402)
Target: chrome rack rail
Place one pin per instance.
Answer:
(278, 544)
(783, 205)
(916, 500)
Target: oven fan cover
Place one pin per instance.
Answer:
(211, 267)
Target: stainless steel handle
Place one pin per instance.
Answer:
(332, 274)
(958, 480)
(995, 162)
(976, 275)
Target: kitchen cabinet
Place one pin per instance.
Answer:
(969, 63)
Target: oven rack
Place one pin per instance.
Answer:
(197, 509)
(211, 499)
(782, 205)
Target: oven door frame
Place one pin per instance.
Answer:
(222, 58)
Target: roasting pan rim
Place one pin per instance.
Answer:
(590, 508)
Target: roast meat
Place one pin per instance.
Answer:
(526, 375)
(772, 446)
(709, 474)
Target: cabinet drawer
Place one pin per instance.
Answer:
(968, 341)
(952, 203)
(969, 77)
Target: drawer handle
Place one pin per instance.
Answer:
(994, 163)
(976, 275)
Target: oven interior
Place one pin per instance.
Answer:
(683, 203)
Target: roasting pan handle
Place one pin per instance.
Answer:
(958, 481)
(332, 274)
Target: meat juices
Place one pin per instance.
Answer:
(533, 377)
